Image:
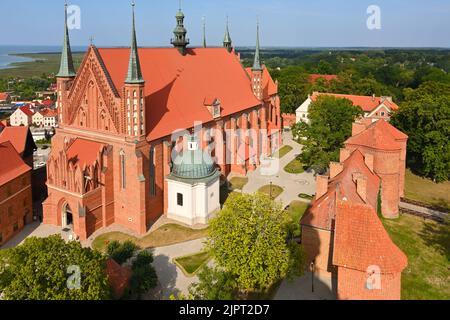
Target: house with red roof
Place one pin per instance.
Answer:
(125, 115)
(23, 116)
(5, 98)
(342, 233)
(375, 108)
(22, 140)
(16, 204)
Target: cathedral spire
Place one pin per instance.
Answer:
(179, 40)
(227, 43)
(257, 62)
(204, 32)
(134, 75)
(66, 69)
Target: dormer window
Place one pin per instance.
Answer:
(214, 107)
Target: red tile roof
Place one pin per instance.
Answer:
(48, 102)
(269, 86)
(327, 77)
(17, 136)
(49, 113)
(360, 241)
(342, 187)
(26, 109)
(84, 152)
(176, 85)
(4, 96)
(118, 276)
(367, 103)
(379, 135)
(11, 165)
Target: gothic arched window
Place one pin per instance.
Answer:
(152, 171)
(122, 169)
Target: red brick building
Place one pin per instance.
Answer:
(341, 231)
(15, 192)
(117, 115)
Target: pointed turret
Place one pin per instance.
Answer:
(257, 70)
(227, 43)
(134, 91)
(257, 62)
(134, 75)
(179, 40)
(204, 32)
(66, 69)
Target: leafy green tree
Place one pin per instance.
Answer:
(425, 118)
(121, 252)
(144, 275)
(42, 268)
(214, 284)
(248, 240)
(330, 125)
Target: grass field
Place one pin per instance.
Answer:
(166, 235)
(191, 264)
(47, 63)
(282, 152)
(295, 167)
(425, 190)
(238, 183)
(296, 210)
(276, 190)
(427, 245)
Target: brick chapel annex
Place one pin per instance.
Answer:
(112, 152)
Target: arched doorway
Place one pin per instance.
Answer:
(67, 217)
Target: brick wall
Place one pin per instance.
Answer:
(318, 247)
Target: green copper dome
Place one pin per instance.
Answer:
(193, 163)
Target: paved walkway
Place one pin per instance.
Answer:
(423, 210)
(301, 289)
(171, 279)
(292, 184)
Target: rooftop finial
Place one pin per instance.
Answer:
(66, 69)
(227, 43)
(134, 75)
(204, 31)
(257, 62)
(179, 40)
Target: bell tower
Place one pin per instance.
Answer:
(66, 74)
(257, 69)
(134, 91)
(179, 40)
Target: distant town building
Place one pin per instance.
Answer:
(5, 98)
(374, 108)
(313, 78)
(16, 206)
(50, 118)
(38, 118)
(341, 232)
(117, 116)
(21, 117)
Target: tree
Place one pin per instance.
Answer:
(330, 125)
(214, 284)
(248, 240)
(121, 252)
(425, 118)
(42, 268)
(144, 275)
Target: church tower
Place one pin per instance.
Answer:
(257, 70)
(180, 41)
(66, 74)
(227, 43)
(134, 91)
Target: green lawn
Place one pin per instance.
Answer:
(238, 183)
(296, 210)
(276, 190)
(295, 166)
(47, 63)
(282, 152)
(164, 236)
(427, 245)
(425, 190)
(192, 263)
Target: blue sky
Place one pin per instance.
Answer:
(304, 23)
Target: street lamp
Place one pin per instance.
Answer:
(312, 267)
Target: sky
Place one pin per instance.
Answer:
(290, 23)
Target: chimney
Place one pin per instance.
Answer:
(368, 159)
(357, 128)
(373, 97)
(322, 186)
(335, 169)
(345, 154)
(361, 185)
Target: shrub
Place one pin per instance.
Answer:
(144, 275)
(121, 252)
